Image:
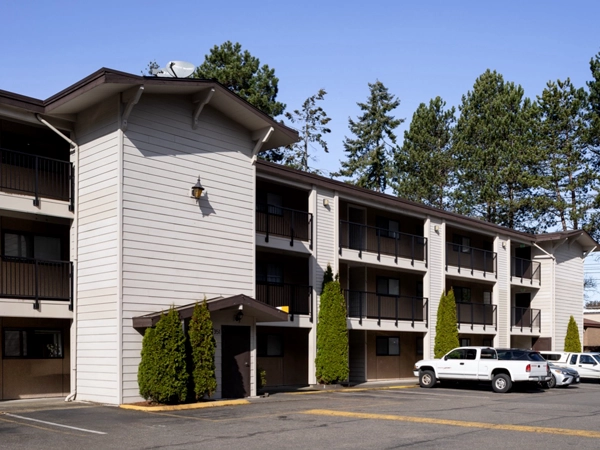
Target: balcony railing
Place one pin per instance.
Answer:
(297, 298)
(36, 175)
(382, 242)
(370, 305)
(476, 314)
(285, 222)
(35, 279)
(526, 318)
(525, 269)
(470, 258)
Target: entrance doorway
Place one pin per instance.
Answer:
(235, 365)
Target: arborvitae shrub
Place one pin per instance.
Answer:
(446, 331)
(162, 374)
(332, 336)
(202, 343)
(327, 277)
(572, 341)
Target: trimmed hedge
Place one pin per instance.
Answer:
(202, 343)
(446, 331)
(332, 336)
(162, 373)
(572, 341)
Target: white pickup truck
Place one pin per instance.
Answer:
(502, 367)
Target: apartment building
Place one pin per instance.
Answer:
(100, 233)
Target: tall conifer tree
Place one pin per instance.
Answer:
(374, 143)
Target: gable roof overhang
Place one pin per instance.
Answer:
(251, 307)
(106, 83)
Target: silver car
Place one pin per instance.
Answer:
(562, 376)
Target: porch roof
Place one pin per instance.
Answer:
(241, 302)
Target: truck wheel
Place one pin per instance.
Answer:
(552, 382)
(427, 379)
(501, 383)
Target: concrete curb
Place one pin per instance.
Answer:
(357, 389)
(187, 406)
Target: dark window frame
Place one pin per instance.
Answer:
(458, 243)
(262, 273)
(30, 241)
(388, 346)
(464, 342)
(388, 279)
(30, 343)
(383, 227)
(262, 345)
(459, 294)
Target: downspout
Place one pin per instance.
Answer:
(74, 257)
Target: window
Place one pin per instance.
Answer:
(573, 359)
(419, 289)
(464, 342)
(419, 346)
(487, 343)
(388, 228)
(586, 359)
(461, 243)
(269, 345)
(273, 203)
(487, 298)
(462, 294)
(269, 273)
(488, 354)
(457, 354)
(23, 245)
(388, 346)
(32, 343)
(388, 286)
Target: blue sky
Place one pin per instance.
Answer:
(418, 49)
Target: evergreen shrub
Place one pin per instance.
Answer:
(446, 331)
(572, 341)
(203, 345)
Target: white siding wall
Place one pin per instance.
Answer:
(435, 277)
(502, 291)
(97, 268)
(568, 291)
(177, 250)
(543, 299)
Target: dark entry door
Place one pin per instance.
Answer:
(522, 310)
(235, 364)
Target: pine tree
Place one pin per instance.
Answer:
(568, 172)
(162, 373)
(312, 121)
(424, 166)
(332, 337)
(572, 341)
(496, 157)
(446, 330)
(593, 224)
(368, 154)
(202, 343)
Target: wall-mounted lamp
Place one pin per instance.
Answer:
(436, 228)
(197, 189)
(238, 316)
(504, 245)
(325, 202)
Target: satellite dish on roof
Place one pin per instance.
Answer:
(176, 69)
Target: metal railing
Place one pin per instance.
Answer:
(35, 279)
(476, 314)
(32, 174)
(285, 222)
(370, 305)
(463, 256)
(526, 318)
(525, 268)
(295, 296)
(381, 241)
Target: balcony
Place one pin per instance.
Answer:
(525, 269)
(370, 305)
(381, 241)
(35, 279)
(526, 318)
(297, 297)
(284, 222)
(476, 314)
(470, 258)
(38, 176)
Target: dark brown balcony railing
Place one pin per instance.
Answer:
(476, 314)
(36, 175)
(297, 297)
(284, 222)
(525, 269)
(526, 318)
(381, 241)
(470, 258)
(370, 305)
(35, 279)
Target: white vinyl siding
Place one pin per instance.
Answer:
(568, 298)
(436, 275)
(503, 309)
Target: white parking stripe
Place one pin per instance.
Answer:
(54, 424)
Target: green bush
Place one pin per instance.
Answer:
(162, 374)
(332, 336)
(327, 277)
(202, 344)
(572, 341)
(446, 331)
(261, 376)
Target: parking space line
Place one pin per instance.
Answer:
(54, 424)
(457, 423)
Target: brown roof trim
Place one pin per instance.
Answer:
(590, 323)
(351, 190)
(21, 101)
(215, 304)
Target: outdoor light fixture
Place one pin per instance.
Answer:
(504, 245)
(436, 228)
(239, 316)
(197, 189)
(325, 202)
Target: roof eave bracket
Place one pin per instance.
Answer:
(202, 99)
(261, 137)
(130, 98)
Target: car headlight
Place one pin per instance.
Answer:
(562, 372)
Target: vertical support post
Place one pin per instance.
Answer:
(36, 200)
(36, 305)
(267, 227)
(292, 228)
(72, 183)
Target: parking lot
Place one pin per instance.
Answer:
(405, 416)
